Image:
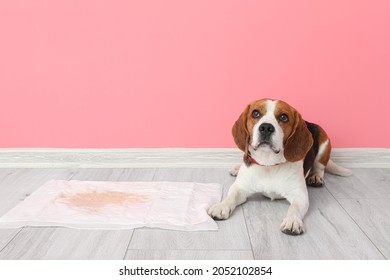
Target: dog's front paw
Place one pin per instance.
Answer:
(220, 211)
(292, 226)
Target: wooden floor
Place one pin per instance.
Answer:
(347, 219)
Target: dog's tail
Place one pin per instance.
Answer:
(335, 169)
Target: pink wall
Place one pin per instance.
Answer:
(153, 73)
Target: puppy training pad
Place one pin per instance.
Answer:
(117, 205)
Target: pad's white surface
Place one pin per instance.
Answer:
(117, 205)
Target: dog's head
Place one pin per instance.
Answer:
(272, 132)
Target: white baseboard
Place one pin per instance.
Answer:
(165, 158)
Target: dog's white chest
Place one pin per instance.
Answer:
(274, 182)
(273, 195)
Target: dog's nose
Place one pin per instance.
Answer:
(266, 129)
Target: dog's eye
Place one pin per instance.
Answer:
(256, 114)
(283, 118)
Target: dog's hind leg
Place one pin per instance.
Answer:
(316, 175)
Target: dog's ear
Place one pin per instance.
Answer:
(241, 134)
(299, 141)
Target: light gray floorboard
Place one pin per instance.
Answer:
(330, 232)
(364, 183)
(365, 196)
(373, 217)
(17, 184)
(232, 234)
(6, 235)
(347, 219)
(63, 243)
(188, 255)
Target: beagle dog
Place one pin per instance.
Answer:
(282, 155)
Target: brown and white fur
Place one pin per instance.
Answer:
(282, 154)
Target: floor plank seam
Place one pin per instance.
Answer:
(122, 172)
(154, 173)
(71, 175)
(12, 239)
(247, 231)
(128, 245)
(357, 224)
